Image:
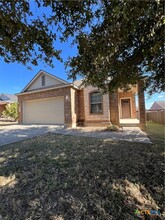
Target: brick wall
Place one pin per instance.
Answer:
(100, 119)
(69, 98)
(77, 106)
(2, 108)
(114, 108)
(80, 107)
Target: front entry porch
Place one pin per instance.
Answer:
(127, 108)
(129, 122)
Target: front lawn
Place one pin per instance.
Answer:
(156, 131)
(58, 177)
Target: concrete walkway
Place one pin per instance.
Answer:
(13, 133)
(133, 134)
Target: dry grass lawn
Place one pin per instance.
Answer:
(156, 131)
(58, 177)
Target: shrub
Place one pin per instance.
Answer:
(11, 111)
(112, 128)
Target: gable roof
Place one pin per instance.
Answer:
(40, 73)
(8, 98)
(158, 105)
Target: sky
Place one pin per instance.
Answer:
(14, 77)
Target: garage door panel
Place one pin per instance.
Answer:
(45, 111)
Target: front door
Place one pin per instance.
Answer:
(125, 108)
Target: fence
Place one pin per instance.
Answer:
(156, 116)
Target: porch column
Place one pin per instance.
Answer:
(69, 108)
(141, 100)
(114, 108)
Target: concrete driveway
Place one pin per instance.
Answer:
(13, 133)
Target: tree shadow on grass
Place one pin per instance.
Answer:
(64, 177)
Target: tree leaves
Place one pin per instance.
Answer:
(123, 40)
(125, 46)
(27, 35)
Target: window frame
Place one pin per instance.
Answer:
(90, 109)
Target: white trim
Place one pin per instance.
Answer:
(42, 90)
(39, 73)
(131, 107)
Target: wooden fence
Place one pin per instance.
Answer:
(156, 116)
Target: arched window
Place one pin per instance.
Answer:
(96, 102)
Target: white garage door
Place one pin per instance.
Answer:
(44, 111)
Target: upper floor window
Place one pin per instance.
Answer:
(43, 80)
(96, 102)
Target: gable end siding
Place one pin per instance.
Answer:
(49, 82)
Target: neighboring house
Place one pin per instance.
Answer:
(157, 112)
(48, 99)
(158, 106)
(6, 99)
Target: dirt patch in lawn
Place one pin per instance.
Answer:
(64, 178)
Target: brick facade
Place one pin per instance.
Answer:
(80, 107)
(2, 108)
(111, 108)
(131, 96)
(90, 119)
(69, 98)
(114, 108)
(77, 105)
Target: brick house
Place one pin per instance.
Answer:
(48, 99)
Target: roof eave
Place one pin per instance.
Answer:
(52, 88)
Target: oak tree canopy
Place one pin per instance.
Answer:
(118, 41)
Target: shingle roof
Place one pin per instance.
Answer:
(78, 83)
(8, 97)
(158, 105)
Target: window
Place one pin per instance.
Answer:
(96, 102)
(43, 80)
